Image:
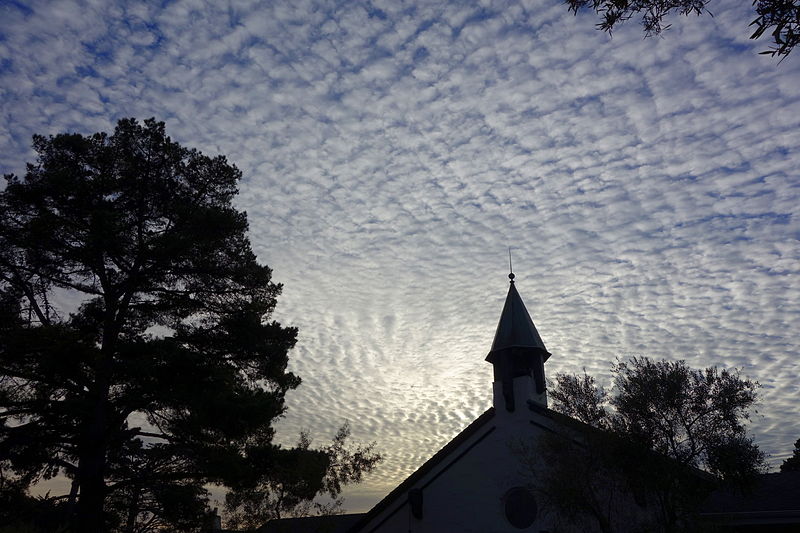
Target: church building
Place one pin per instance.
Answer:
(476, 482)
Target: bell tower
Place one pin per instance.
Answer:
(518, 356)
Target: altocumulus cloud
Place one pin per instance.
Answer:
(391, 151)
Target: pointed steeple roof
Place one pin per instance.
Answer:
(516, 329)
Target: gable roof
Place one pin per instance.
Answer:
(479, 423)
(401, 490)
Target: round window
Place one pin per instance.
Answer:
(520, 507)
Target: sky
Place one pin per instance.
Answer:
(393, 151)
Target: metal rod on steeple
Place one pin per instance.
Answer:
(510, 268)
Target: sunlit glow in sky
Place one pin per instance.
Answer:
(392, 151)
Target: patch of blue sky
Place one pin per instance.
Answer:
(22, 7)
(101, 50)
(477, 16)
(86, 71)
(375, 12)
(50, 93)
(421, 27)
(236, 17)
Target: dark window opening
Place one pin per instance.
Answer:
(520, 507)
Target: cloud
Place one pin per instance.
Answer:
(391, 153)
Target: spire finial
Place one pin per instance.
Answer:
(510, 268)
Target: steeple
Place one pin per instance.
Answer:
(518, 354)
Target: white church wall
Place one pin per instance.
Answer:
(465, 491)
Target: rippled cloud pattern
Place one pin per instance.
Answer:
(392, 151)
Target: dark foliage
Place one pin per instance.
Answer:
(781, 19)
(581, 398)
(669, 432)
(304, 474)
(694, 417)
(792, 464)
(778, 18)
(169, 372)
(580, 481)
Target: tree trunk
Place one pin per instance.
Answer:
(91, 468)
(73, 499)
(92, 463)
(94, 437)
(133, 511)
